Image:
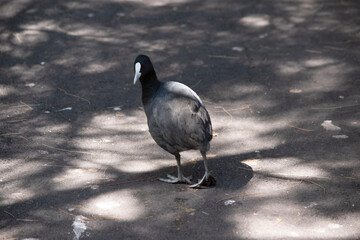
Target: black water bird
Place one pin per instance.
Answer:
(177, 118)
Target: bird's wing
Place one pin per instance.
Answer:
(180, 119)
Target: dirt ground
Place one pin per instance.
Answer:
(280, 80)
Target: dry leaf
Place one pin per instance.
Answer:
(189, 210)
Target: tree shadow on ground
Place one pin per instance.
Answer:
(269, 73)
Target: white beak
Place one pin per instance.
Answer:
(137, 72)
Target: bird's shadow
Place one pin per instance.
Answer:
(228, 171)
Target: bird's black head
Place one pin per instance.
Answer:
(143, 69)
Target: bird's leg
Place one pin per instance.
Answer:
(180, 178)
(207, 179)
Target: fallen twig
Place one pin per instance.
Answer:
(67, 166)
(27, 105)
(271, 226)
(64, 150)
(223, 56)
(116, 106)
(224, 110)
(73, 95)
(23, 105)
(193, 86)
(24, 138)
(206, 101)
(312, 51)
(9, 213)
(126, 182)
(334, 107)
(234, 109)
(302, 180)
(67, 213)
(9, 134)
(16, 120)
(61, 104)
(17, 37)
(240, 196)
(334, 48)
(302, 129)
(288, 181)
(27, 220)
(352, 178)
(317, 184)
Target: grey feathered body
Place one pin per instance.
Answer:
(177, 119)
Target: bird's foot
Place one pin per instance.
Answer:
(172, 179)
(207, 180)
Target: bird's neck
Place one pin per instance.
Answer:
(149, 87)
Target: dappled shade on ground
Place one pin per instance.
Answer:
(74, 140)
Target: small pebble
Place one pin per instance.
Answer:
(295, 90)
(238, 49)
(30, 85)
(229, 202)
(329, 126)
